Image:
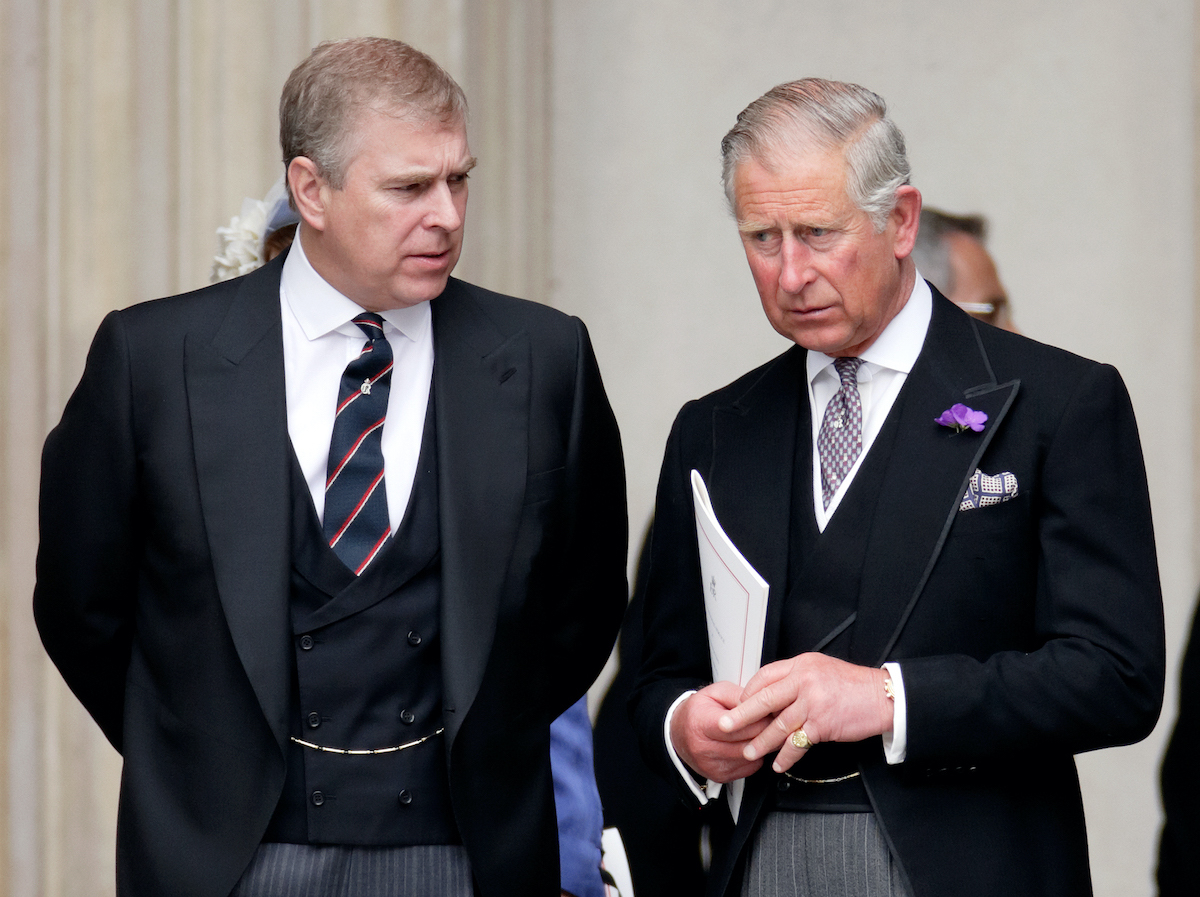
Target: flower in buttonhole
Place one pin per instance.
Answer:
(959, 417)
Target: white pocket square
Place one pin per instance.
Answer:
(988, 489)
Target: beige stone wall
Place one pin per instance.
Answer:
(131, 129)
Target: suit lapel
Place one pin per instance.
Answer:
(235, 388)
(927, 472)
(481, 386)
(750, 484)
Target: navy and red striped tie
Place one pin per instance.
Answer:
(356, 510)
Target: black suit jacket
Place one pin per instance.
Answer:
(1026, 631)
(162, 590)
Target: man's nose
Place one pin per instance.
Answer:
(795, 270)
(444, 210)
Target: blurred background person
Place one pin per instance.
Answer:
(950, 254)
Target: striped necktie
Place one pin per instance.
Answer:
(356, 511)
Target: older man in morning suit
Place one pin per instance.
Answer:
(955, 527)
(326, 548)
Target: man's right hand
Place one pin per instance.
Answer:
(700, 742)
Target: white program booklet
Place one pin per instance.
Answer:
(735, 605)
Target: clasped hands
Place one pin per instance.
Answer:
(723, 731)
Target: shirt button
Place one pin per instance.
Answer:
(314, 719)
(405, 797)
(318, 798)
(306, 643)
(407, 717)
(414, 639)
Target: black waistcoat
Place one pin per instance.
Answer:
(367, 675)
(821, 603)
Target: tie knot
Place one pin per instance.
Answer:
(371, 324)
(847, 370)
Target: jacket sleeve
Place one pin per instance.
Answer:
(593, 590)
(84, 597)
(675, 655)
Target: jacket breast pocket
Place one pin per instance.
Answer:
(1012, 515)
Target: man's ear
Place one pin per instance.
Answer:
(309, 191)
(906, 218)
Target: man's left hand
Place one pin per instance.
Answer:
(829, 699)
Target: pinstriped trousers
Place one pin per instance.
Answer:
(821, 855)
(307, 870)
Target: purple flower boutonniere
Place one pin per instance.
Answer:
(960, 417)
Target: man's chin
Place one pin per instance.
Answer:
(408, 293)
(829, 340)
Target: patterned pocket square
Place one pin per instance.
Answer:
(986, 489)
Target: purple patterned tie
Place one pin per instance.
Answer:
(356, 511)
(839, 440)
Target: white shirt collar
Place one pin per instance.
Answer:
(320, 309)
(900, 343)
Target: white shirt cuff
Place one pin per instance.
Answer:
(895, 742)
(679, 764)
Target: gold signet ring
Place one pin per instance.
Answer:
(801, 740)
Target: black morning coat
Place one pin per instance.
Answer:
(163, 570)
(1026, 632)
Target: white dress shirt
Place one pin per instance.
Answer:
(886, 365)
(319, 340)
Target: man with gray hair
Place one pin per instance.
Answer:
(950, 254)
(954, 525)
(325, 548)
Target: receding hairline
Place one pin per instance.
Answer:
(381, 99)
(796, 132)
(331, 92)
(357, 113)
(775, 149)
(811, 114)
(784, 137)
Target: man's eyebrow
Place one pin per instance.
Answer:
(752, 227)
(425, 175)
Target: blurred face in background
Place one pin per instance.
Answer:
(977, 287)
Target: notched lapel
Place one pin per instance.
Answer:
(482, 392)
(235, 387)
